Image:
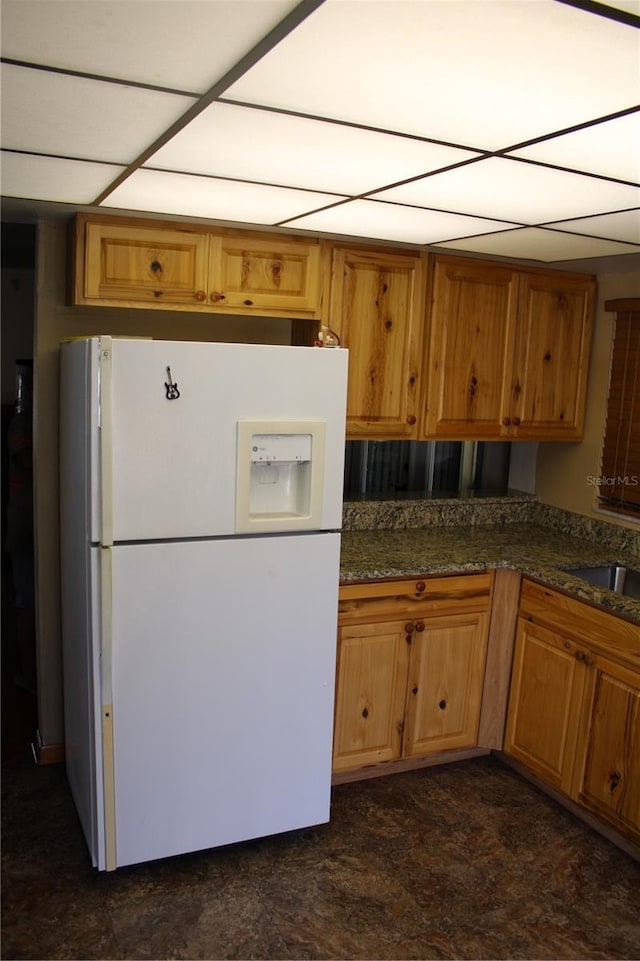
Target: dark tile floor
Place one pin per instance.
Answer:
(462, 861)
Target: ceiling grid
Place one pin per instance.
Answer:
(498, 127)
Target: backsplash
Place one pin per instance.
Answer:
(485, 511)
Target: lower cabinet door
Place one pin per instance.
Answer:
(446, 677)
(610, 779)
(544, 708)
(370, 693)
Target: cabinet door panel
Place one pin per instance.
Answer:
(370, 694)
(552, 356)
(377, 308)
(273, 273)
(446, 677)
(145, 265)
(471, 349)
(610, 784)
(546, 689)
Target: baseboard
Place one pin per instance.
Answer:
(46, 753)
(407, 764)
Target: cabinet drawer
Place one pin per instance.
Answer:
(578, 619)
(415, 597)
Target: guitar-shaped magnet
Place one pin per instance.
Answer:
(171, 387)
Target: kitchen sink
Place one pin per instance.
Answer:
(615, 577)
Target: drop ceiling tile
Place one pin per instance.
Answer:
(248, 144)
(191, 196)
(513, 190)
(182, 44)
(611, 149)
(535, 243)
(624, 226)
(366, 218)
(51, 178)
(53, 113)
(480, 73)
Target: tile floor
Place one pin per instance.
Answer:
(462, 861)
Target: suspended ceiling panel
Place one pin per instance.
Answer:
(194, 196)
(611, 149)
(225, 140)
(186, 45)
(365, 218)
(515, 191)
(430, 122)
(52, 178)
(484, 75)
(623, 226)
(539, 244)
(58, 114)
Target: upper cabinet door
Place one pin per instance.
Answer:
(549, 381)
(471, 346)
(144, 266)
(273, 272)
(377, 308)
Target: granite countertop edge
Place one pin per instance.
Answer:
(532, 550)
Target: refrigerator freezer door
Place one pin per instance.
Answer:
(223, 660)
(171, 411)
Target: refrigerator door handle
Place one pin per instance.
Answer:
(106, 467)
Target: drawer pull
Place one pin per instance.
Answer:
(420, 586)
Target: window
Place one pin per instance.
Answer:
(619, 481)
(395, 468)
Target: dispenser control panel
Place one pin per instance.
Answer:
(279, 448)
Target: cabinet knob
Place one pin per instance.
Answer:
(442, 704)
(411, 419)
(365, 712)
(420, 626)
(249, 303)
(583, 658)
(420, 586)
(156, 266)
(614, 780)
(516, 422)
(200, 296)
(409, 628)
(506, 421)
(216, 296)
(414, 689)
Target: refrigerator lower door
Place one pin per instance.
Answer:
(223, 663)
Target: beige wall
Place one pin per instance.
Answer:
(563, 469)
(55, 321)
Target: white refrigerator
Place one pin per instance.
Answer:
(201, 503)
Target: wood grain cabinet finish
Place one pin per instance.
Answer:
(376, 305)
(508, 352)
(574, 707)
(147, 264)
(410, 673)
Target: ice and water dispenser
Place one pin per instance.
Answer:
(279, 471)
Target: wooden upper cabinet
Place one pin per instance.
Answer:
(508, 353)
(549, 381)
(148, 266)
(376, 305)
(145, 264)
(471, 349)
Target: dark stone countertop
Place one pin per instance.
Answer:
(533, 550)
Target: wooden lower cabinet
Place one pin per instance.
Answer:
(574, 708)
(609, 782)
(410, 669)
(547, 683)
